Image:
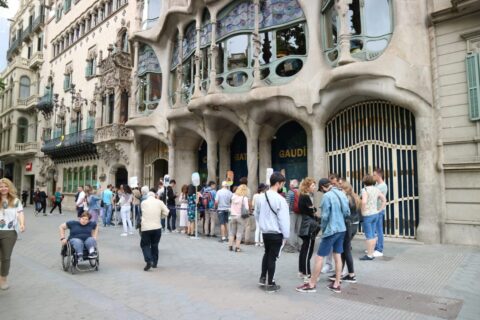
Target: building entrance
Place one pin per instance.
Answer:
(238, 157)
(121, 177)
(379, 134)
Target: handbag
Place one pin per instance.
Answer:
(244, 211)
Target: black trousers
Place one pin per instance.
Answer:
(57, 204)
(44, 206)
(172, 218)
(272, 243)
(306, 253)
(149, 244)
(347, 247)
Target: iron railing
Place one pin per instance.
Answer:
(69, 140)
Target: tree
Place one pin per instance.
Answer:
(3, 3)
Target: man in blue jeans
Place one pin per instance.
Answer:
(107, 196)
(334, 208)
(380, 184)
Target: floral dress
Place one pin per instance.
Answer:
(192, 203)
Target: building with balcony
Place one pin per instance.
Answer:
(19, 123)
(310, 88)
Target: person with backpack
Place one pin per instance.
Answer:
(293, 195)
(208, 201)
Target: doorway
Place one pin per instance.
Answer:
(121, 177)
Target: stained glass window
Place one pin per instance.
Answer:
(176, 53)
(147, 61)
(189, 40)
(206, 30)
(240, 18)
(279, 12)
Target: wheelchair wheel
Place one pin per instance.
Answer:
(66, 255)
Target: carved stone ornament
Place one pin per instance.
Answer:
(116, 71)
(112, 153)
(46, 166)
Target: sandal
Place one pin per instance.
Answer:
(238, 250)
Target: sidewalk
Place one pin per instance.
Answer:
(201, 279)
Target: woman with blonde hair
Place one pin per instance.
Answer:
(309, 226)
(11, 217)
(351, 223)
(236, 223)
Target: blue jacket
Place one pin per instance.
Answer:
(334, 212)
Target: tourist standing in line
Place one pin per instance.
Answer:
(370, 209)
(93, 204)
(208, 199)
(171, 205)
(107, 197)
(334, 209)
(11, 219)
(151, 229)
(162, 195)
(80, 201)
(183, 202)
(351, 224)
(262, 187)
(273, 219)
(236, 222)
(382, 186)
(137, 197)
(58, 200)
(192, 198)
(309, 226)
(293, 243)
(249, 222)
(223, 200)
(125, 202)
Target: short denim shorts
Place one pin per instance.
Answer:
(222, 216)
(335, 242)
(368, 226)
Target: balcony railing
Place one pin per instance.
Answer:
(36, 60)
(13, 48)
(71, 145)
(26, 33)
(113, 132)
(26, 147)
(45, 105)
(38, 22)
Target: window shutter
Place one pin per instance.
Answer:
(65, 83)
(87, 69)
(473, 84)
(94, 67)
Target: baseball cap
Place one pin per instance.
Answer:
(324, 182)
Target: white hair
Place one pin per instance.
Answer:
(150, 194)
(144, 190)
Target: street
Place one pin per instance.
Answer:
(201, 279)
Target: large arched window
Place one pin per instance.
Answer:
(151, 12)
(81, 177)
(369, 24)
(94, 177)
(24, 87)
(205, 52)
(65, 180)
(22, 133)
(189, 69)
(173, 71)
(69, 181)
(149, 79)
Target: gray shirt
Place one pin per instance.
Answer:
(384, 189)
(223, 198)
(268, 221)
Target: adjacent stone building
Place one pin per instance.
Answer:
(306, 87)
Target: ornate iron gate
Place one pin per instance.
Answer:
(379, 134)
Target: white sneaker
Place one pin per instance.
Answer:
(377, 254)
(327, 269)
(124, 234)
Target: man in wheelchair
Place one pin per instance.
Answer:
(83, 235)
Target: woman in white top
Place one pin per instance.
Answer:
(236, 222)
(11, 217)
(370, 196)
(183, 209)
(125, 206)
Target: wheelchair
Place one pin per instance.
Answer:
(70, 261)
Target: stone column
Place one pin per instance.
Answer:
(257, 82)
(252, 159)
(197, 92)
(214, 55)
(136, 160)
(428, 230)
(224, 151)
(265, 157)
(117, 105)
(317, 154)
(133, 112)
(344, 35)
(171, 160)
(212, 158)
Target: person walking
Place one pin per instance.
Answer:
(58, 200)
(272, 217)
(223, 199)
(370, 209)
(309, 226)
(262, 187)
(80, 201)
(183, 202)
(36, 201)
(93, 204)
(137, 197)
(382, 186)
(11, 218)
(334, 208)
(125, 201)
(151, 229)
(24, 198)
(107, 197)
(238, 206)
(43, 202)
